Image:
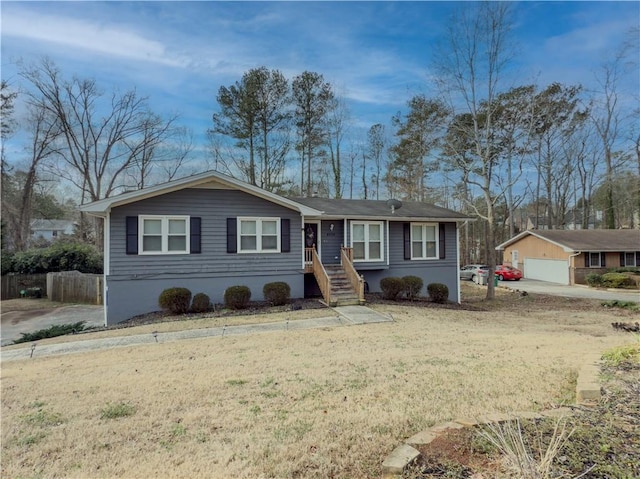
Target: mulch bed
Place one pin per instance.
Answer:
(219, 311)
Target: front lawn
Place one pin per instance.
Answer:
(317, 403)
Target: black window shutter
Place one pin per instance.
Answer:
(621, 259)
(232, 235)
(195, 235)
(586, 260)
(637, 258)
(285, 235)
(603, 261)
(407, 240)
(132, 234)
(443, 245)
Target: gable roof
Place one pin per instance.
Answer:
(584, 240)
(202, 180)
(380, 209)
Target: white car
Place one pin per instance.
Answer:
(471, 271)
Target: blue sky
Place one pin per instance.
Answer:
(376, 54)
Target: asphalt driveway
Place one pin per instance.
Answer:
(543, 287)
(16, 322)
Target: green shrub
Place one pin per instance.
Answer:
(201, 303)
(438, 292)
(52, 332)
(391, 287)
(237, 297)
(617, 280)
(625, 269)
(616, 303)
(176, 300)
(6, 263)
(60, 256)
(412, 286)
(594, 280)
(277, 293)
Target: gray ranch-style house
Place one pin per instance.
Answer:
(209, 231)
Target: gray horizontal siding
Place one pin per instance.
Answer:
(431, 271)
(213, 207)
(128, 296)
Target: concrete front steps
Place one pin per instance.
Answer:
(342, 293)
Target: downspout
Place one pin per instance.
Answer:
(578, 253)
(304, 257)
(458, 260)
(106, 270)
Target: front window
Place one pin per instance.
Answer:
(164, 234)
(259, 235)
(594, 260)
(367, 241)
(629, 259)
(423, 241)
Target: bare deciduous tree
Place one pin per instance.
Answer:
(470, 66)
(102, 137)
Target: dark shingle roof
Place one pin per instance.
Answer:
(593, 240)
(343, 208)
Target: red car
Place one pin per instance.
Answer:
(507, 272)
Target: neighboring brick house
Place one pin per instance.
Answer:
(568, 256)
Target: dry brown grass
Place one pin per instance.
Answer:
(320, 403)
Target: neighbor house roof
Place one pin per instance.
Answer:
(51, 225)
(584, 240)
(380, 209)
(203, 180)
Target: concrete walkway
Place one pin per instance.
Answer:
(345, 316)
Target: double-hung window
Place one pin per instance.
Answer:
(367, 240)
(629, 259)
(259, 235)
(594, 260)
(163, 234)
(424, 243)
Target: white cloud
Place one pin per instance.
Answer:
(87, 35)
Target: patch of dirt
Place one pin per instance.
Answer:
(453, 454)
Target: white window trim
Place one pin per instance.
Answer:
(258, 220)
(164, 233)
(599, 265)
(366, 241)
(424, 240)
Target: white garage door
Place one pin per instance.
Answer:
(552, 270)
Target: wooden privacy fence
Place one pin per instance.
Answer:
(12, 284)
(75, 287)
